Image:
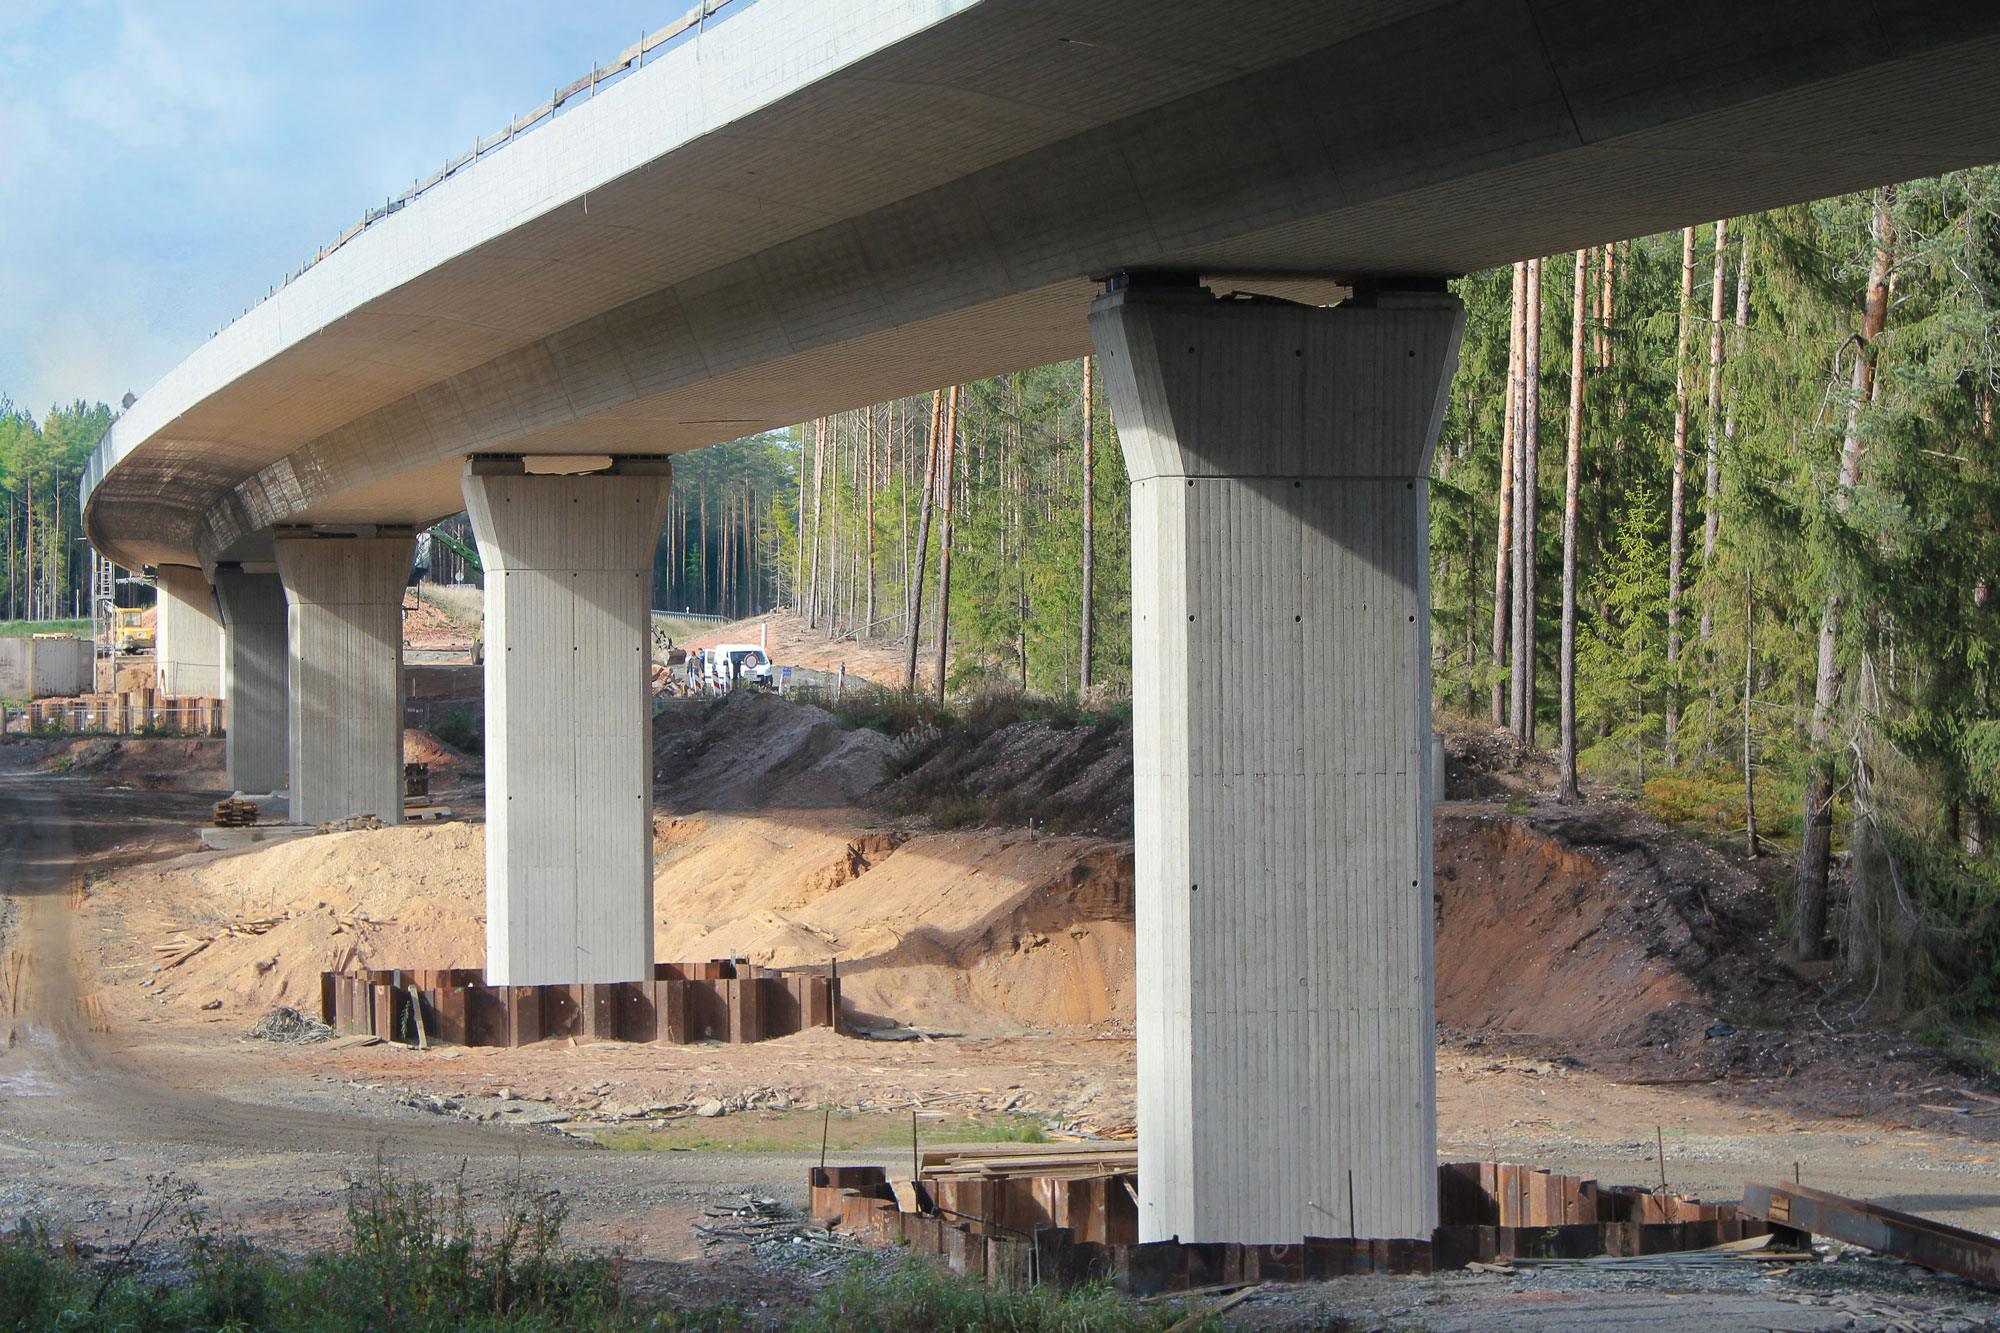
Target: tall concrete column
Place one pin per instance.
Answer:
(187, 633)
(344, 601)
(569, 792)
(256, 733)
(1281, 680)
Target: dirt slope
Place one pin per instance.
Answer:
(1595, 925)
(753, 750)
(1070, 778)
(973, 931)
(981, 931)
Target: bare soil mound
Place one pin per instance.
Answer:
(1597, 924)
(978, 932)
(277, 914)
(1482, 761)
(1074, 778)
(421, 747)
(164, 763)
(975, 931)
(753, 750)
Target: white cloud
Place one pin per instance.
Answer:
(25, 143)
(169, 86)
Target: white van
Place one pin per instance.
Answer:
(727, 665)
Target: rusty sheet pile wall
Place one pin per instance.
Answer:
(1070, 1215)
(684, 1002)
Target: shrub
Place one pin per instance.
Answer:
(460, 730)
(923, 1297)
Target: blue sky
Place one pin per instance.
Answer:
(163, 162)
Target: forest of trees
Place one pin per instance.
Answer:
(858, 519)
(1715, 514)
(48, 565)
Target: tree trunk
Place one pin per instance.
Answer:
(950, 462)
(868, 446)
(1711, 513)
(832, 526)
(1749, 758)
(799, 533)
(1527, 505)
(707, 605)
(1089, 522)
(815, 569)
(29, 540)
(1816, 850)
(1677, 519)
(1503, 545)
(916, 606)
(1572, 489)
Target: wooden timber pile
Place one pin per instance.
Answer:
(1068, 1214)
(184, 945)
(684, 1002)
(233, 813)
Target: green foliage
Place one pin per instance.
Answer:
(1900, 562)
(40, 520)
(787, 517)
(891, 712)
(460, 730)
(21, 629)
(411, 1259)
(920, 1296)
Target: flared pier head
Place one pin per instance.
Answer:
(255, 657)
(344, 673)
(569, 792)
(1282, 785)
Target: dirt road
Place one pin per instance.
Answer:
(91, 1116)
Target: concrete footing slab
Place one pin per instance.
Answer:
(235, 839)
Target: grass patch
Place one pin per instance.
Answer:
(21, 629)
(410, 1258)
(922, 1297)
(799, 1131)
(682, 628)
(461, 603)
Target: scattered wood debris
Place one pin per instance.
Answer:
(766, 1222)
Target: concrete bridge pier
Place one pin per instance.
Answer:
(256, 732)
(569, 791)
(344, 673)
(1281, 674)
(187, 631)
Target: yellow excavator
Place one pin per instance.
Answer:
(128, 635)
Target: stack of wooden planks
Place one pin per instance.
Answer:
(1089, 1188)
(233, 813)
(1053, 1161)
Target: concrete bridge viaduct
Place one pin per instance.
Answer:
(800, 207)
